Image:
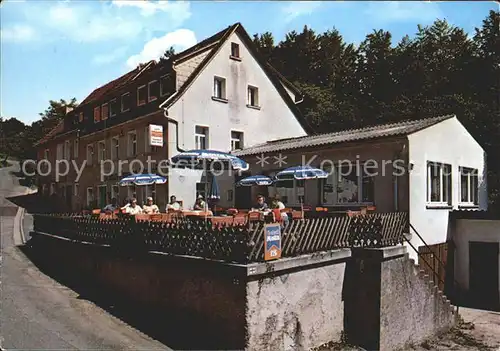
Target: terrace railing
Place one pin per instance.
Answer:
(232, 243)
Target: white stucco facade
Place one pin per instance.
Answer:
(447, 142)
(196, 107)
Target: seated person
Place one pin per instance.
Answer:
(278, 204)
(112, 206)
(261, 204)
(199, 205)
(126, 204)
(173, 204)
(134, 208)
(149, 207)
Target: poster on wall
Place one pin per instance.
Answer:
(272, 241)
(155, 135)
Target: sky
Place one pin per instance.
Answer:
(63, 49)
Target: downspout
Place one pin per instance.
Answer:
(398, 156)
(173, 121)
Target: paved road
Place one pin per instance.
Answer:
(38, 313)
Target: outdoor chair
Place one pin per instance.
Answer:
(96, 211)
(297, 214)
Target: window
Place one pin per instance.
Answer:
(80, 117)
(219, 88)
(141, 95)
(90, 154)
(153, 90)
(200, 189)
(230, 195)
(104, 111)
(201, 137)
(113, 108)
(90, 196)
(131, 192)
(76, 189)
(438, 183)
(44, 189)
(253, 96)
(115, 191)
(291, 191)
(75, 148)
(102, 193)
(46, 154)
(101, 151)
(349, 184)
(147, 146)
(115, 148)
(67, 150)
(132, 144)
(59, 152)
(236, 141)
(235, 50)
(469, 183)
(97, 114)
(52, 188)
(165, 85)
(125, 102)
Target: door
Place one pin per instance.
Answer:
(102, 196)
(483, 274)
(242, 194)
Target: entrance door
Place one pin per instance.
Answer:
(483, 274)
(243, 194)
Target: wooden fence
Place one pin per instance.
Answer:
(232, 243)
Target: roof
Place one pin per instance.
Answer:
(59, 128)
(373, 132)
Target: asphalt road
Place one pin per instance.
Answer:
(37, 313)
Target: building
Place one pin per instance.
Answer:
(426, 167)
(218, 94)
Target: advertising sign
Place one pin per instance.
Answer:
(272, 241)
(155, 135)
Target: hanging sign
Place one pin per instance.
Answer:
(155, 135)
(272, 241)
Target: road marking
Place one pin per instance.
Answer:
(18, 235)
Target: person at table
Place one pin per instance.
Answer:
(173, 204)
(125, 204)
(278, 204)
(199, 205)
(112, 206)
(261, 204)
(134, 208)
(150, 207)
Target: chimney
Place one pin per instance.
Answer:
(68, 109)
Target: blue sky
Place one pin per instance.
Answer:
(61, 49)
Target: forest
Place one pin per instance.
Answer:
(440, 69)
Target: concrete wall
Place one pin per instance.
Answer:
(447, 142)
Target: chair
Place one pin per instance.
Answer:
(297, 214)
(96, 211)
(157, 217)
(142, 217)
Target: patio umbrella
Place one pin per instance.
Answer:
(255, 180)
(214, 193)
(301, 173)
(142, 179)
(204, 159)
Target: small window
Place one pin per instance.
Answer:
(141, 95)
(97, 114)
(59, 151)
(90, 196)
(115, 191)
(235, 50)
(219, 88)
(67, 150)
(90, 154)
(125, 102)
(253, 96)
(132, 144)
(75, 148)
(469, 184)
(115, 148)
(165, 85)
(76, 190)
(438, 183)
(52, 188)
(201, 137)
(230, 195)
(46, 154)
(80, 117)
(236, 141)
(153, 90)
(113, 108)
(147, 146)
(101, 151)
(104, 111)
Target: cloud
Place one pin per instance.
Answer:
(401, 11)
(109, 57)
(299, 8)
(180, 10)
(180, 39)
(18, 33)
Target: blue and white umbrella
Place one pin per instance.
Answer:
(255, 180)
(203, 159)
(142, 179)
(214, 193)
(301, 173)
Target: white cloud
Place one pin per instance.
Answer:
(180, 10)
(62, 14)
(18, 33)
(299, 8)
(180, 39)
(109, 57)
(401, 11)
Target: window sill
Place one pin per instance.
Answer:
(469, 206)
(235, 58)
(254, 107)
(438, 207)
(152, 99)
(225, 101)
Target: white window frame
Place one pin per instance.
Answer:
(111, 102)
(235, 140)
(76, 189)
(76, 144)
(149, 90)
(252, 89)
(445, 185)
(67, 150)
(146, 100)
(90, 199)
(334, 177)
(121, 102)
(89, 156)
(130, 143)
(101, 151)
(222, 92)
(472, 189)
(199, 136)
(100, 115)
(233, 44)
(115, 149)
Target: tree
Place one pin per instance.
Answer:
(169, 53)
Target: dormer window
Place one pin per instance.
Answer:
(104, 111)
(153, 90)
(97, 114)
(80, 117)
(113, 108)
(235, 51)
(125, 102)
(142, 95)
